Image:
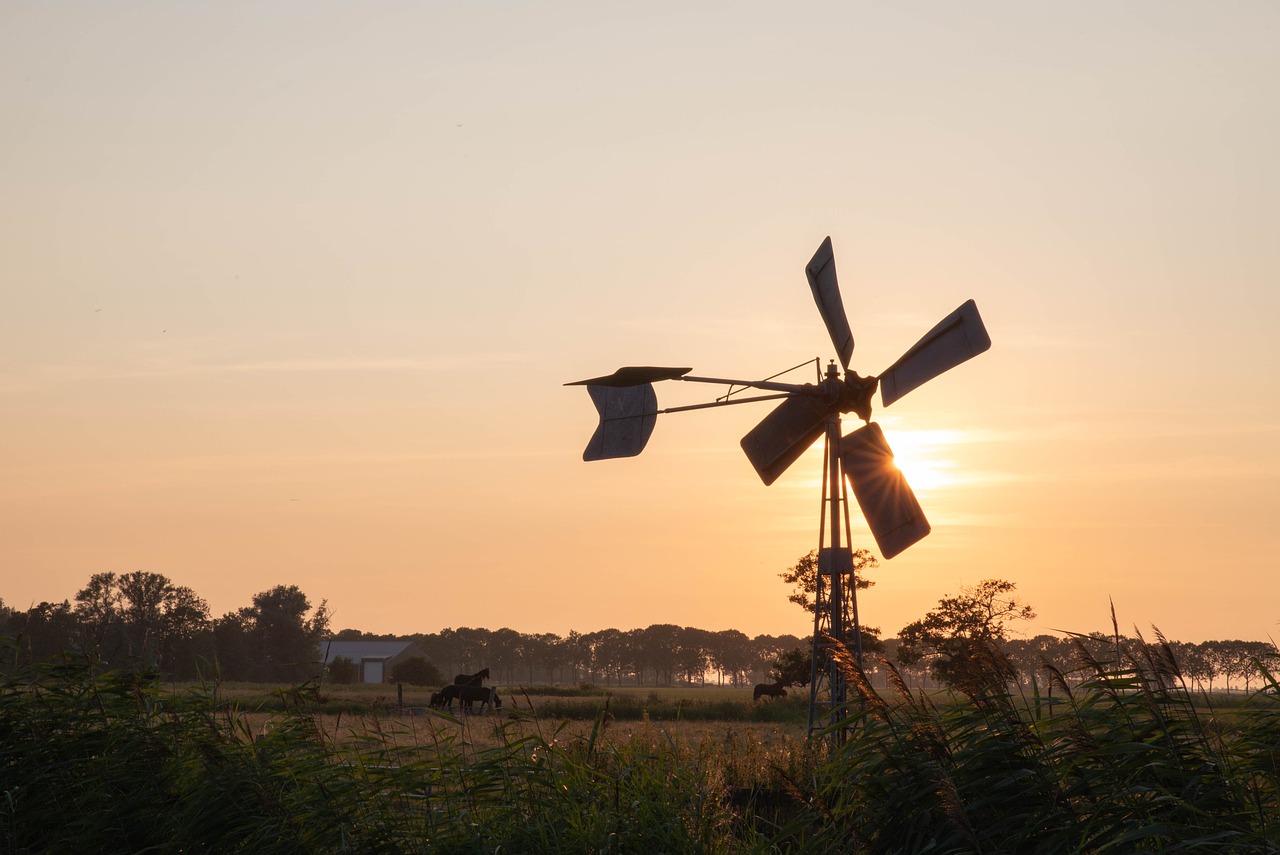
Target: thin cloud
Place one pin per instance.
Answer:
(316, 366)
(51, 375)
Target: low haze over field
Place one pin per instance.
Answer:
(291, 290)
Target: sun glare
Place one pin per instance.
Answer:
(920, 455)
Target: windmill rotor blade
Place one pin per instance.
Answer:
(627, 417)
(959, 336)
(821, 273)
(890, 507)
(633, 375)
(783, 435)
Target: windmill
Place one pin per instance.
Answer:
(628, 410)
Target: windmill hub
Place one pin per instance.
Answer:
(854, 392)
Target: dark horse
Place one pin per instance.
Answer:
(466, 695)
(773, 690)
(476, 679)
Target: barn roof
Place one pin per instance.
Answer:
(357, 651)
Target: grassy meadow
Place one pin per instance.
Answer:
(1129, 761)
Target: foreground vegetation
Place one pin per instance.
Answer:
(1128, 760)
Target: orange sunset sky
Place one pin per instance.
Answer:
(290, 290)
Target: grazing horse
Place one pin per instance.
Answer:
(772, 690)
(466, 696)
(476, 679)
(444, 698)
(488, 697)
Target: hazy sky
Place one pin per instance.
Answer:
(290, 290)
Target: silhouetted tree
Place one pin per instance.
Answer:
(444, 648)
(766, 649)
(505, 652)
(803, 577)
(97, 611)
(358, 635)
(235, 660)
(278, 635)
(44, 632)
(472, 647)
(730, 653)
(792, 668)
(545, 653)
(1206, 663)
(692, 654)
(144, 618)
(610, 654)
(1192, 663)
(1241, 659)
(1035, 658)
(659, 651)
(960, 638)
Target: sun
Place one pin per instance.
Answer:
(921, 456)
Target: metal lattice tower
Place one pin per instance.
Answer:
(835, 615)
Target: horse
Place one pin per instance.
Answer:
(772, 690)
(444, 698)
(488, 697)
(467, 696)
(476, 679)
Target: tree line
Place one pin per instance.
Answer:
(145, 619)
(965, 640)
(658, 655)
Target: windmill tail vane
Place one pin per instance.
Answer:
(628, 408)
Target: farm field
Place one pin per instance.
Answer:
(345, 714)
(517, 696)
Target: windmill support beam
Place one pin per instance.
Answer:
(767, 385)
(836, 585)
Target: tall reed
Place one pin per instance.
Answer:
(1128, 761)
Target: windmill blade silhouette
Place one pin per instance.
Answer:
(790, 428)
(628, 406)
(785, 434)
(634, 375)
(821, 273)
(627, 417)
(958, 337)
(886, 499)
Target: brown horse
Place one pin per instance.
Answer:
(772, 690)
(476, 679)
(467, 696)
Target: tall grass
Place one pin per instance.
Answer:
(631, 707)
(1128, 761)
